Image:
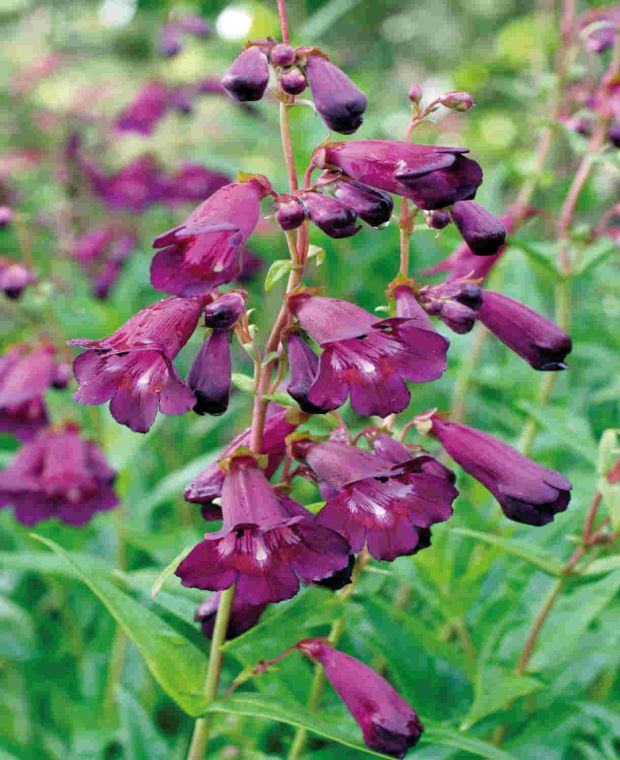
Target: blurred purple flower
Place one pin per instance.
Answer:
(134, 188)
(192, 183)
(146, 110)
(14, 278)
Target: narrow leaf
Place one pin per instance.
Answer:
(277, 271)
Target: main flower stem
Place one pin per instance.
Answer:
(212, 679)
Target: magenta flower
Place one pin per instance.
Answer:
(243, 616)
(247, 79)
(339, 102)
(210, 376)
(147, 109)
(432, 176)
(133, 368)
(527, 492)
(14, 278)
(388, 723)
(303, 369)
(192, 183)
(268, 543)
(59, 474)
(366, 358)
(331, 216)
(25, 375)
(280, 423)
(388, 505)
(483, 233)
(134, 188)
(205, 251)
(542, 344)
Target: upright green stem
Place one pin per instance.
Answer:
(212, 679)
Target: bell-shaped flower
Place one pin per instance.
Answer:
(483, 232)
(339, 102)
(247, 79)
(210, 376)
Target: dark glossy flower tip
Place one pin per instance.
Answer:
(372, 206)
(330, 215)
(224, 312)
(303, 368)
(267, 545)
(374, 501)
(133, 368)
(432, 176)
(438, 219)
(293, 82)
(147, 109)
(339, 102)
(366, 357)
(58, 474)
(210, 374)
(539, 341)
(456, 100)
(290, 214)
(205, 251)
(6, 216)
(483, 232)
(414, 93)
(282, 55)
(243, 616)
(388, 723)
(527, 492)
(14, 278)
(247, 79)
(340, 578)
(278, 425)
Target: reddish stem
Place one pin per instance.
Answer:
(283, 21)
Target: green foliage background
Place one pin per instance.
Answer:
(447, 625)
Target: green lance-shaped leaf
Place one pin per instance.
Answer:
(140, 738)
(495, 688)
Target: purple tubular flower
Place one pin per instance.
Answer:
(455, 303)
(388, 506)
(542, 344)
(389, 725)
(133, 368)
(243, 616)
(278, 425)
(330, 215)
(293, 82)
(385, 446)
(147, 109)
(372, 206)
(170, 39)
(59, 474)
(267, 545)
(205, 251)
(304, 366)
(223, 313)
(247, 79)
(14, 278)
(527, 492)
(290, 214)
(210, 374)
(339, 102)
(432, 176)
(369, 359)
(483, 233)
(192, 183)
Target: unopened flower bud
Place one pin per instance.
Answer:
(438, 219)
(457, 101)
(283, 55)
(415, 93)
(338, 101)
(483, 232)
(372, 206)
(6, 216)
(224, 312)
(248, 77)
(293, 82)
(62, 375)
(290, 214)
(14, 278)
(455, 303)
(210, 374)
(330, 215)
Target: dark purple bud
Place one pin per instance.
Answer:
(290, 214)
(210, 374)
(483, 232)
(62, 375)
(535, 338)
(193, 24)
(372, 206)
(526, 491)
(14, 279)
(293, 82)
(457, 101)
(6, 216)
(340, 578)
(223, 313)
(283, 55)
(170, 40)
(248, 77)
(330, 215)
(388, 723)
(613, 134)
(415, 93)
(438, 219)
(338, 101)
(455, 303)
(304, 367)
(243, 616)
